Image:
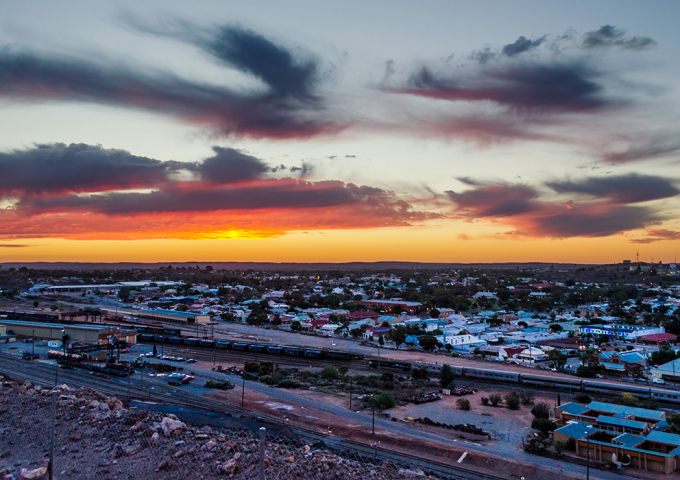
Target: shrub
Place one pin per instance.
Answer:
(252, 367)
(571, 444)
(485, 401)
(419, 373)
(585, 372)
(329, 372)
(495, 399)
(343, 370)
(627, 399)
(266, 368)
(543, 425)
(583, 398)
(383, 401)
(463, 404)
(387, 377)
(527, 397)
(541, 410)
(512, 400)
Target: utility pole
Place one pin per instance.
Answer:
(373, 426)
(243, 387)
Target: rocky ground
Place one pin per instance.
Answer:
(99, 437)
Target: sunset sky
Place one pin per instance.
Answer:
(304, 131)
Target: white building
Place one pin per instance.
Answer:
(462, 343)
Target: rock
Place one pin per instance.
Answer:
(179, 453)
(34, 474)
(230, 467)
(118, 451)
(237, 456)
(290, 459)
(104, 407)
(133, 449)
(169, 425)
(167, 465)
(155, 438)
(137, 426)
(210, 445)
(94, 404)
(307, 448)
(202, 436)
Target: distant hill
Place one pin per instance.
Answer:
(290, 266)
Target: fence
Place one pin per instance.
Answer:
(72, 434)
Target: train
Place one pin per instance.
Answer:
(20, 315)
(248, 347)
(543, 381)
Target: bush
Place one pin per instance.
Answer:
(495, 399)
(585, 372)
(543, 425)
(383, 401)
(266, 368)
(512, 400)
(527, 397)
(571, 444)
(463, 404)
(387, 377)
(583, 398)
(329, 372)
(420, 373)
(627, 399)
(252, 367)
(485, 401)
(541, 410)
(343, 370)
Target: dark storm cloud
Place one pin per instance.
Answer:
(555, 86)
(587, 222)
(265, 195)
(483, 56)
(289, 108)
(610, 36)
(77, 168)
(250, 52)
(522, 207)
(494, 200)
(521, 45)
(231, 165)
(630, 188)
(649, 150)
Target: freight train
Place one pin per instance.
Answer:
(19, 315)
(542, 381)
(248, 347)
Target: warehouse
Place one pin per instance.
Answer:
(171, 316)
(89, 334)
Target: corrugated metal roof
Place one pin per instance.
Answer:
(573, 408)
(629, 440)
(614, 409)
(663, 437)
(575, 430)
(621, 422)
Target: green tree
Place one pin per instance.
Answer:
(397, 335)
(383, 401)
(627, 399)
(295, 326)
(427, 342)
(557, 359)
(434, 313)
(463, 404)
(541, 410)
(420, 373)
(543, 425)
(329, 372)
(446, 376)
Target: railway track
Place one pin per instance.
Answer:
(160, 392)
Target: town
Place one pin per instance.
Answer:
(575, 363)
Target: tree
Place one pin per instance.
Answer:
(124, 294)
(329, 372)
(541, 410)
(585, 372)
(434, 313)
(397, 335)
(557, 359)
(627, 399)
(527, 397)
(463, 404)
(556, 327)
(356, 332)
(446, 376)
(343, 369)
(381, 340)
(636, 371)
(383, 401)
(664, 355)
(427, 342)
(543, 425)
(495, 399)
(512, 400)
(295, 326)
(420, 373)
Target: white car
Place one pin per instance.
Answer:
(660, 381)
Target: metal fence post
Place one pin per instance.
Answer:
(262, 445)
(53, 418)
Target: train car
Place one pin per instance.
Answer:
(160, 338)
(175, 340)
(257, 348)
(312, 353)
(223, 345)
(492, 375)
(356, 356)
(274, 350)
(338, 355)
(207, 343)
(574, 384)
(242, 347)
(390, 364)
(433, 368)
(291, 351)
(192, 342)
(145, 337)
(668, 396)
(594, 386)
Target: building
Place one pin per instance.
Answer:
(171, 316)
(623, 332)
(462, 343)
(391, 305)
(80, 333)
(622, 362)
(668, 372)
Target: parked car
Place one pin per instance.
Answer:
(660, 381)
(191, 360)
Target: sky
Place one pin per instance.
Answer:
(303, 131)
